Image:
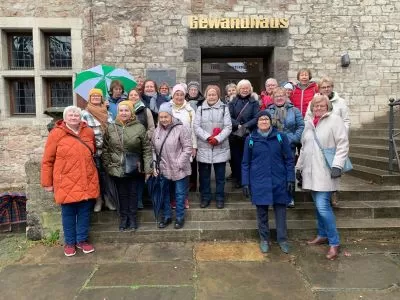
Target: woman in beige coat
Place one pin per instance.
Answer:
(330, 131)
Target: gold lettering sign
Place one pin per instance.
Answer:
(196, 22)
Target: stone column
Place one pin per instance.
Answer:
(43, 215)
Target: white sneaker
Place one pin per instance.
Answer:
(109, 204)
(97, 206)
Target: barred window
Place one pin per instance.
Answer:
(58, 51)
(22, 92)
(59, 92)
(20, 51)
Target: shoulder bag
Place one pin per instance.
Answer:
(130, 161)
(329, 155)
(241, 132)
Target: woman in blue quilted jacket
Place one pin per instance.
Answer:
(268, 177)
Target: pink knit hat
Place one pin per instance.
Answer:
(178, 87)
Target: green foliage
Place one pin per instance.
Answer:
(52, 239)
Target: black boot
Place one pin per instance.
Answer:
(123, 223)
(179, 223)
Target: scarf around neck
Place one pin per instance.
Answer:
(99, 113)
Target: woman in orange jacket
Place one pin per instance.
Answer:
(68, 170)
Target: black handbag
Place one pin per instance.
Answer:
(130, 161)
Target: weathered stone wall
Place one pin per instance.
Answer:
(141, 35)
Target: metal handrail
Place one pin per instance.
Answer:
(392, 142)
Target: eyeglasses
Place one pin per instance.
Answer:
(320, 106)
(326, 87)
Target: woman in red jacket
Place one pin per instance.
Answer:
(304, 90)
(68, 170)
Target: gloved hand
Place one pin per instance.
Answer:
(291, 187)
(212, 141)
(299, 176)
(246, 191)
(336, 172)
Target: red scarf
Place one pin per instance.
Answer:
(316, 120)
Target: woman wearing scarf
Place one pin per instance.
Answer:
(268, 177)
(304, 90)
(286, 118)
(126, 135)
(183, 111)
(144, 116)
(97, 117)
(151, 98)
(164, 90)
(326, 130)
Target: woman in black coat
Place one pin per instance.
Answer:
(243, 108)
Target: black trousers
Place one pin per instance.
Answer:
(127, 195)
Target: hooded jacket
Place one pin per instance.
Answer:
(248, 114)
(340, 108)
(331, 133)
(68, 165)
(207, 119)
(267, 166)
(176, 152)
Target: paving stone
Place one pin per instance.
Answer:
(166, 252)
(43, 281)
(145, 273)
(249, 280)
(148, 293)
(359, 295)
(228, 252)
(372, 271)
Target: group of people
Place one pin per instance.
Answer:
(106, 153)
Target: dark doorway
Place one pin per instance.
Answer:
(224, 65)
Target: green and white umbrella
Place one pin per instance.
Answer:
(101, 77)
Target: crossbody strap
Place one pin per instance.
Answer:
(158, 156)
(82, 142)
(241, 111)
(317, 140)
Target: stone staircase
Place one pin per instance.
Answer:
(369, 152)
(369, 205)
(366, 210)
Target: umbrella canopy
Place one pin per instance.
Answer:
(158, 189)
(101, 77)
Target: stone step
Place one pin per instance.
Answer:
(372, 161)
(370, 132)
(240, 230)
(371, 140)
(375, 175)
(246, 211)
(372, 150)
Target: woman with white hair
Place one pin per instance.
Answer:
(69, 171)
(243, 109)
(323, 130)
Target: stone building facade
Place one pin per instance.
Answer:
(142, 36)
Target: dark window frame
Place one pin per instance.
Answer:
(13, 96)
(10, 35)
(68, 62)
(51, 80)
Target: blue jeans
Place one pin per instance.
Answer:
(205, 179)
(280, 221)
(76, 221)
(326, 220)
(181, 191)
